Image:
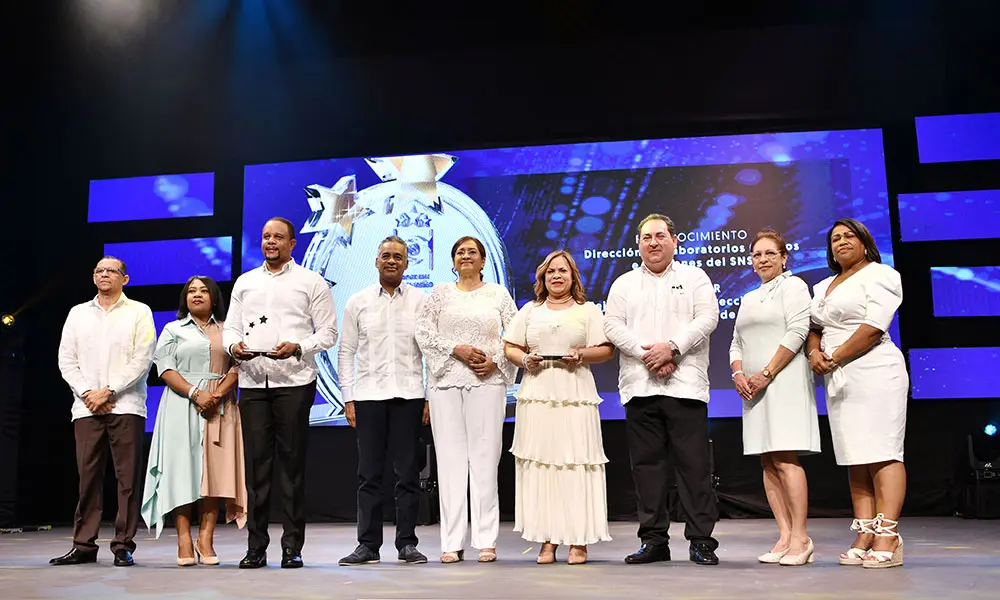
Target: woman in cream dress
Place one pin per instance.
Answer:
(560, 495)
(866, 387)
(772, 375)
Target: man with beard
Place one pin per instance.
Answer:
(278, 383)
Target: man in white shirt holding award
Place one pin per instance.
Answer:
(281, 315)
(660, 317)
(382, 378)
(105, 354)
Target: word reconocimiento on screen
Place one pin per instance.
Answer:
(589, 198)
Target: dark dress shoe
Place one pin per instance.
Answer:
(648, 553)
(254, 560)
(123, 558)
(291, 559)
(702, 553)
(362, 555)
(75, 557)
(410, 555)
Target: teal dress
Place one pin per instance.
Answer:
(178, 471)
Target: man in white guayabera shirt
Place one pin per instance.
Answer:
(281, 315)
(105, 355)
(382, 377)
(660, 317)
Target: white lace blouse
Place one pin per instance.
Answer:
(451, 317)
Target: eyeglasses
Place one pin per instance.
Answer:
(109, 270)
(769, 254)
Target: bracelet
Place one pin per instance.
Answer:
(811, 352)
(524, 360)
(192, 392)
(733, 376)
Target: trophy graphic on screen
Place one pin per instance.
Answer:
(411, 201)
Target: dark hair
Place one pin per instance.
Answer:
(218, 302)
(773, 235)
(462, 240)
(120, 262)
(288, 224)
(658, 217)
(871, 250)
(576, 286)
(396, 240)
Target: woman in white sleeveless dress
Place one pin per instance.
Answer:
(560, 493)
(772, 375)
(866, 387)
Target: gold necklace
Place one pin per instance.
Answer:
(565, 300)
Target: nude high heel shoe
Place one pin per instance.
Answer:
(797, 560)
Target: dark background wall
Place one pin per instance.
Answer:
(211, 85)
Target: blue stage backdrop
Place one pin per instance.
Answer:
(588, 198)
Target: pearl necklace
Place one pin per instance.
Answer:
(565, 300)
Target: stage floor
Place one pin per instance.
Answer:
(945, 558)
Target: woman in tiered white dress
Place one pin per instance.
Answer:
(459, 336)
(560, 495)
(772, 375)
(866, 387)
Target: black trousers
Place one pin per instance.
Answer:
(276, 425)
(393, 426)
(662, 426)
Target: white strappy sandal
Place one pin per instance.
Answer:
(855, 556)
(883, 559)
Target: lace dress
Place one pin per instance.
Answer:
(561, 494)
(451, 317)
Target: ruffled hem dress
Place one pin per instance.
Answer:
(561, 493)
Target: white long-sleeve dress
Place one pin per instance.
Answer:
(560, 485)
(783, 417)
(865, 397)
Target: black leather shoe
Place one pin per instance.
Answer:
(123, 558)
(362, 555)
(291, 559)
(648, 553)
(702, 553)
(410, 555)
(75, 557)
(254, 560)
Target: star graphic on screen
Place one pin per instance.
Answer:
(251, 326)
(263, 319)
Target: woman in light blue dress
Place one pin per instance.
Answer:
(197, 448)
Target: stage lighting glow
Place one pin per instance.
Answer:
(7, 320)
(990, 430)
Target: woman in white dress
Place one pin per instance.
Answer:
(459, 332)
(772, 375)
(560, 495)
(866, 387)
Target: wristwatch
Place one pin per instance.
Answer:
(298, 351)
(767, 373)
(674, 348)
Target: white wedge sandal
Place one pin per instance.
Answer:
(883, 559)
(855, 556)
